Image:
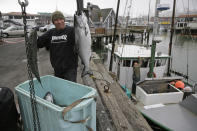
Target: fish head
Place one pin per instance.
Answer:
(81, 23)
(49, 97)
(80, 20)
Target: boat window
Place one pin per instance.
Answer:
(19, 28)
(127, 63)
(144, 62)
(185, 25)
(10, 17)
(28, 17)
(17, 17)
(14, 28)
(190, 19)
(159, 62)
(181, 24)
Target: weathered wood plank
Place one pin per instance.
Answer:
(120, 121)
(104, 122)
(79, 79)
(132, 114)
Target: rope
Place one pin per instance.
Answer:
(68, 108)
(125, 8)
(187, 45)
(107, 85)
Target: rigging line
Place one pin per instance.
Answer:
(183, 6)
(125, 8)
(129, 10)
(192, 3)
(126, 28)
(149, 12)
(188, 21)
(175, 41)
(191, 80)
(188, 47)
(147, 28)
(127, 19)
(190, 35)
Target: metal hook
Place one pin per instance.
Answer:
(23, 3)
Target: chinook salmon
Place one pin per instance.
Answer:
(32, 54)
(83, 41)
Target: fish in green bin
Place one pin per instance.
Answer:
(49, 97)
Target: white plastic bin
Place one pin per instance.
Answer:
(50, 115)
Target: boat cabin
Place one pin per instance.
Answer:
(126, 55)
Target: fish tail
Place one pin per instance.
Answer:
(86, 72)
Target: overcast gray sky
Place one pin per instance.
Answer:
(139, 7)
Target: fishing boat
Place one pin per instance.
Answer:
(188, 28)
(186, 24)
(126, 55)
(163, 100)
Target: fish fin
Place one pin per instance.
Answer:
(86, 72)
(86, 31)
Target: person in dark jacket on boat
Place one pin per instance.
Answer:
(136, 74)
(61, 43)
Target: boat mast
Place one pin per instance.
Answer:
(171, 37)
(114, 37)
(154, 41)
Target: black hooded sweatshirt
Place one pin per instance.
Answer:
(61, 44)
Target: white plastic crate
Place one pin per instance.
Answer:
(50, 115)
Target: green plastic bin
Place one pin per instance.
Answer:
(50, 115)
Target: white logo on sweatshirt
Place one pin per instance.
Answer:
(59, 39)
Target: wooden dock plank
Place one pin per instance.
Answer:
(132, 114)
(104, 122)
(120, 121)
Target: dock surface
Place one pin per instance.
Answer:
(115, 111)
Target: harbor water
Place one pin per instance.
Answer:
(184, 52)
